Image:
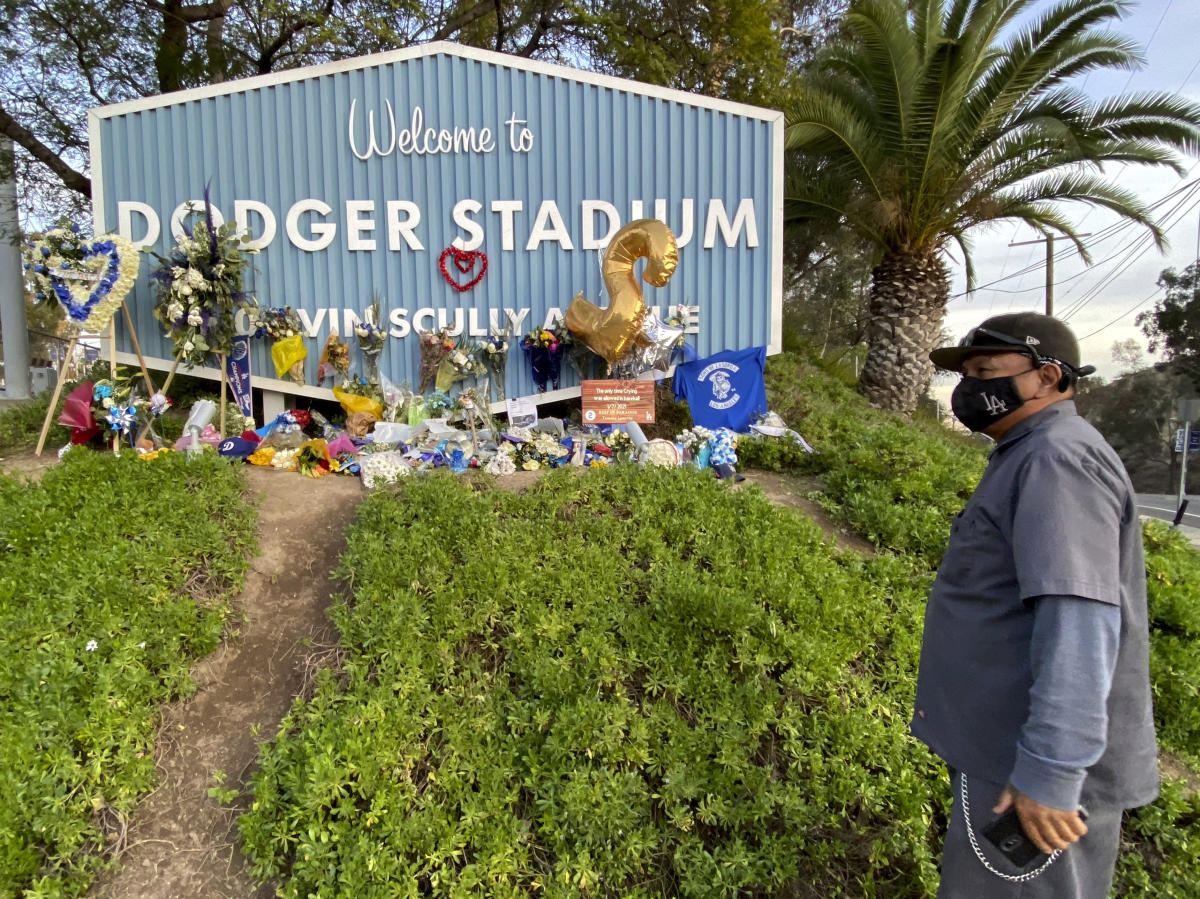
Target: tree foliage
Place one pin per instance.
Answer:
(59, 57)
(927, 119)
(1173, 326)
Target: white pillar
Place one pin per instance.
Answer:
(12, 284)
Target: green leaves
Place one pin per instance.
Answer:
(921, 123)
(98, 630)
(631, 683)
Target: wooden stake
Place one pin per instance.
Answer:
(137, 349)
(112, 373)
(170, 376)
(62, 377)
(145, 427)
(221, 357)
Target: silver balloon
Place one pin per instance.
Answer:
(660, 341)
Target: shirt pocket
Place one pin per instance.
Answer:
(976, 546)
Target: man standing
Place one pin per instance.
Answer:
(1034, 684)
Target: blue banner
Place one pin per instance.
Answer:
(237, 372)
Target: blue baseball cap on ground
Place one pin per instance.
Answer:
(236, 448)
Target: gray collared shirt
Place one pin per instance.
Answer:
(1053, 516)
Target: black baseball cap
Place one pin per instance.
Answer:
(1040, 337)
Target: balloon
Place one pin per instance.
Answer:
(659, 342)
(614, 332)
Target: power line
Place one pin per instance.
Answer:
(1101, 236)
(1139, 249)
(1133, 308)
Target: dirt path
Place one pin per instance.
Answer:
(181, 843)
(792, 493)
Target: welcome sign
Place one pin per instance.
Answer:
(464, 189)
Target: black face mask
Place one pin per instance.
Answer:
(980, 402)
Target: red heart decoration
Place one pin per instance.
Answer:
(464, 261)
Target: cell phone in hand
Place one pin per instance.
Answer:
(1007, 835)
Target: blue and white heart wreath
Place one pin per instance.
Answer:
(89, 278)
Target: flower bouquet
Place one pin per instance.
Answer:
(109, 406)
(335, 359)
(371, 337)
(199, 288)
(493, 350)
(545, 351)
(434, 347)
(283, 326)
(461, 364)
(697, 443)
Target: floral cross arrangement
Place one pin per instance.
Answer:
(88, 278)
(200, 289)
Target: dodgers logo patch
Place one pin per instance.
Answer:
(717, 376)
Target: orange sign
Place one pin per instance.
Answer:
(617, 402)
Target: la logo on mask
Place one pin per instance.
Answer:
(994, 404)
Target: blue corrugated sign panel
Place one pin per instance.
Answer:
(355, 177)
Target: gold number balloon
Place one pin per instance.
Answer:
(615, 331)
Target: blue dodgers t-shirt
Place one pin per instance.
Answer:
(725, 390)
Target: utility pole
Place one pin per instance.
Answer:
(1049, 241)
(12, 284)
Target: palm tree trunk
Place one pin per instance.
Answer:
(909, 292)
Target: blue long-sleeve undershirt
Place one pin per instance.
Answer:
(1073, 656)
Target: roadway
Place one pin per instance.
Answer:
(1162, 506)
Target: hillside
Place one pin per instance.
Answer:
(616, 683)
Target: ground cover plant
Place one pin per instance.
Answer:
(115, 575)
(594, 689)
(898, 483)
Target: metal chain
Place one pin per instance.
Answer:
(1011, 878)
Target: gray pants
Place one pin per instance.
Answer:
(1083, 871)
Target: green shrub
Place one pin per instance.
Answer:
(625, 683)
(897, 483)
(21, 423)
(1173, 592)
(113, 577)
(1161, 844)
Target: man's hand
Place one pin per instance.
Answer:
(1049, 828)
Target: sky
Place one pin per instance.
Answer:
(1101, 303)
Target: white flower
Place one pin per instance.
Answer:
(184, 291)
(174, 310)
(107, 402)
(91, 645)
(142, 645)
(178, 272)
(195, 278)
(500, 464)
(195, 319)
(188, 346)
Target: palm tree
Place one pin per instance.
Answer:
(927, 118)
